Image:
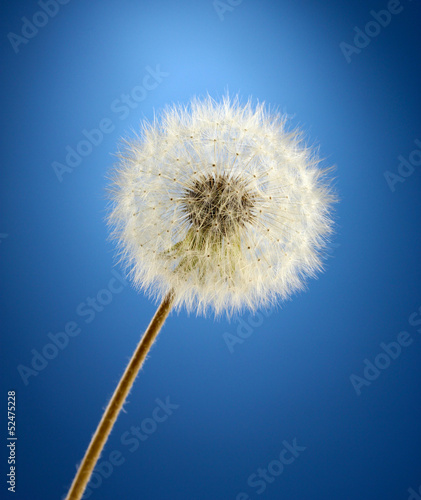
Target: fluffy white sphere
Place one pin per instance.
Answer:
(221, 204)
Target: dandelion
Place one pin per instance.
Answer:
(215, 207)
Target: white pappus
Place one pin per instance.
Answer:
(221, 204)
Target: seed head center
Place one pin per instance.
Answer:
(218, 203)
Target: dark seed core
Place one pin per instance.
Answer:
(218, 203)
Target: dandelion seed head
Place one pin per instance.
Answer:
(221, 203)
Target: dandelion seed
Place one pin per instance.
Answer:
(223, 193)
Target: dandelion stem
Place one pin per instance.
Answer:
(116, 403)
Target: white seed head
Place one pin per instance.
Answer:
(219, 202)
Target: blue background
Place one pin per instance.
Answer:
(290, 379)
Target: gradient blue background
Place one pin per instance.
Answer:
(291, 377)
